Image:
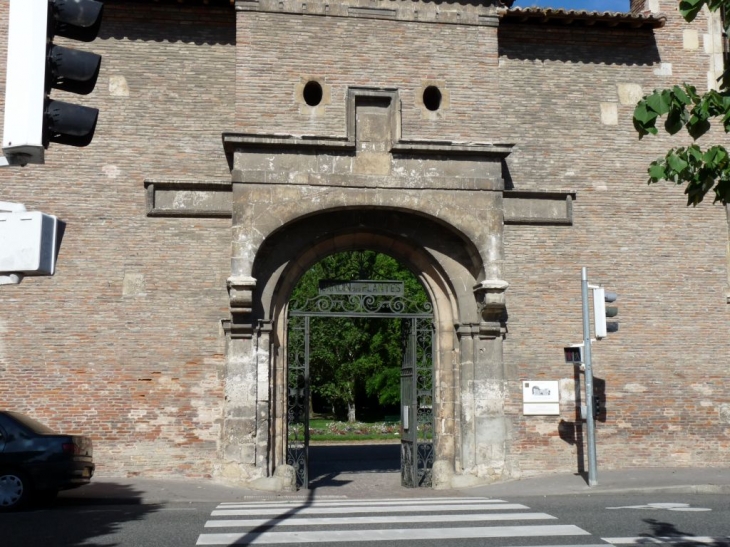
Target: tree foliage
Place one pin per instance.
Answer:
(702, 171)
(351, 357)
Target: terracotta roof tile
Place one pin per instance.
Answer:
(536, 15)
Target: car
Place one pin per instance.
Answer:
(36, 462)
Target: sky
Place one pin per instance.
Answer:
(587, 5)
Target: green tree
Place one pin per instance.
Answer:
(349, 356)
(701, 170)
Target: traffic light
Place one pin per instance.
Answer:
(599, 399)
(574, 354)
(601, 311)
(36, 65)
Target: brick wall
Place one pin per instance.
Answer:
(665, 369)
(345, 52)
(124, 342)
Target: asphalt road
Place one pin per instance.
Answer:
(630, 519)
(689, 519)
(100, 522)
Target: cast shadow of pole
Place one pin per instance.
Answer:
(573, 432)
(326, 463)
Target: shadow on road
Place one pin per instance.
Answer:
(668, 533)
(337, 467)
(328, 462)
(85, 516)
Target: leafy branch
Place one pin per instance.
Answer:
(702, 172)
(683, 108)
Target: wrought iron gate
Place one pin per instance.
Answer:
(374, 299)
(417, 452)
(297, 445)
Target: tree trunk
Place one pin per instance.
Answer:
(351, 413)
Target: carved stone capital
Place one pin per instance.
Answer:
(240, 293)
(490, 297)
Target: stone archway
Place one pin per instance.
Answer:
(467, 363)
(445, 304)
(437, 207)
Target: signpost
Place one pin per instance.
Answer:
(600, 312)
(590, 422)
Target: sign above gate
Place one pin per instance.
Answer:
(375, 288)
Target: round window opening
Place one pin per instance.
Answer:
(432, 98)
(312, 93)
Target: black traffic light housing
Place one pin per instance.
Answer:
(71, 70)
(599, 399)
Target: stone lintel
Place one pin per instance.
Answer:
(536, 207)
(178, 198)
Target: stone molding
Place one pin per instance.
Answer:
(472, 13)
(188, 198)
(553, 208)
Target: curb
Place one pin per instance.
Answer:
(713, 489)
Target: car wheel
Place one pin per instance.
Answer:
(14, 490)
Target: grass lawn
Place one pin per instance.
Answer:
(322, 429)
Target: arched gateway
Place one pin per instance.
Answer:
(366, 299)
(435, 207)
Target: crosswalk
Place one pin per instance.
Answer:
(387, 520)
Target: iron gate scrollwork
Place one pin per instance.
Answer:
(417, 453)
(297, 445)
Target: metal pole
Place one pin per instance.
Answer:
(590, 422)
(307, 402)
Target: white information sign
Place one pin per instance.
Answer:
(541, 409)
(540, 391)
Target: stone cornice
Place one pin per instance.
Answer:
(307, 144)
(464, 12)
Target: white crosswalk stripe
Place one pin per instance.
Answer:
(347, 521)
(324, 521)
(313, 510)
